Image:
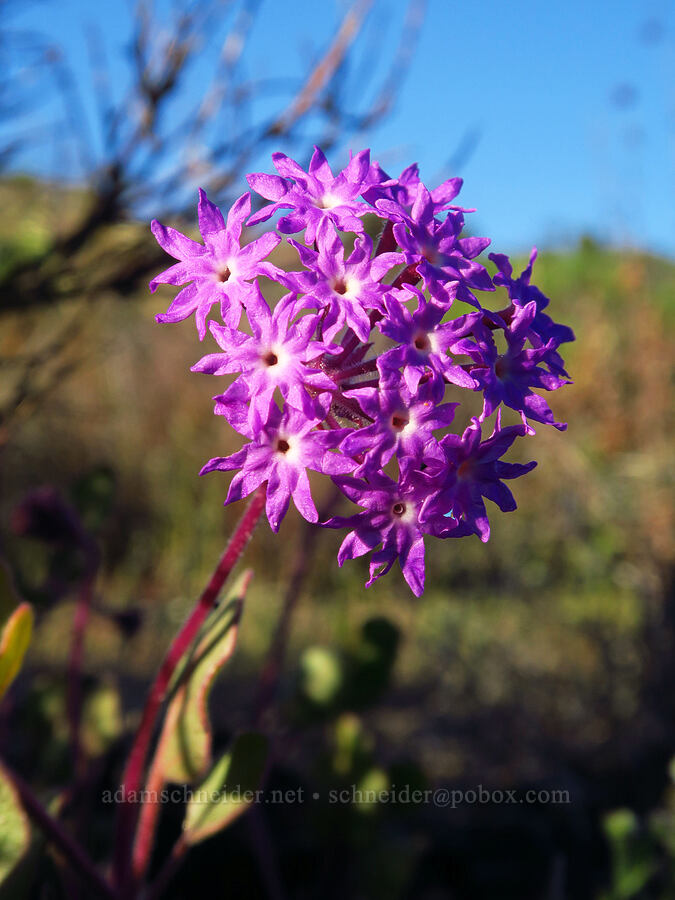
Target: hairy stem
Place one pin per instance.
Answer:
(151, 808)
(372, 382)
(269, 679)
(387, 242)
(410, 275)
(147, 821)
(370, 365)
(132, 778)
(351, 342)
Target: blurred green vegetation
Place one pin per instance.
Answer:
(544, 657)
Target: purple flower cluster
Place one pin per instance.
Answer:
(347, 375)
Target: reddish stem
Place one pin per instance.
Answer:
(151, 808)
(372, 382)
(347, 408)
(147, 821)
(269, 678)
(132, 778)
(361, 369)
(387, 242)
(351, 342)
(506, 314)
(410, 275)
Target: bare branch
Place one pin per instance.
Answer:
(326, 68)
(153, 154)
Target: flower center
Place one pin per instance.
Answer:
(339, 286)
(399, 421)
(326, 202)
(431, 255)
(501, 367)
(223, 274)
(282, 445)
(421, 341)
(270, 359)
(398, 509)
(464, 469)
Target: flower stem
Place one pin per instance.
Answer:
(506, 314)
(332, 421)
(387, 242)
(351, 341)
(147, 820)
(370, 365)
(72, 852)
(347, 408)
(372, 382)
(409, 275)
(271, 673)
(132, 778)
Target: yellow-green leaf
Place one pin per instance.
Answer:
(228, 790)
(13, 644)
(184, 749)
(321, 675)
(101, 719)
(14, 827)
(370, 790)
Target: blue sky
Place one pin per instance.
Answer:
(560, 116)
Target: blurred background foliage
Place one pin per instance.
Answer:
(542, 659)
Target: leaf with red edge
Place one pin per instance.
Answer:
(184, 748)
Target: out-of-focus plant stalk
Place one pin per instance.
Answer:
(74, 678)
(71, 850)
(132, 779)
(271, 672)
(267, 685)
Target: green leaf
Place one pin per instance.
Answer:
(101, 719)
(320, 675)
(13, 644)
(633, 852)
(228, 790)
(353, 746)
(14, 827)
(620, 825)
(369, 790)
(184, 748)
